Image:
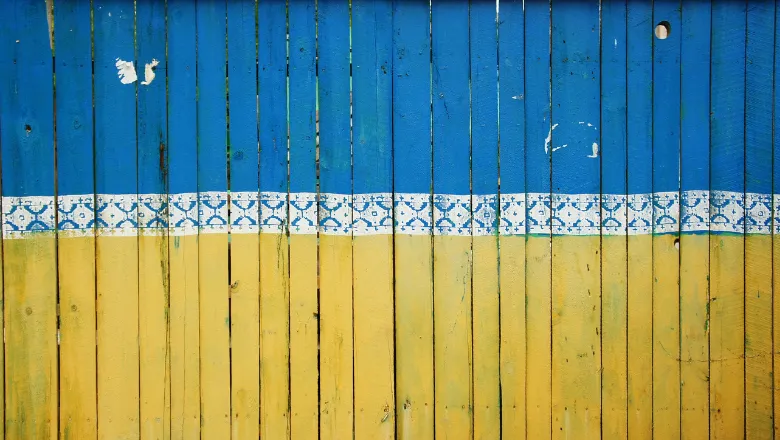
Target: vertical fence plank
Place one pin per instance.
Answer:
(303, 224)
(412, 180)
(694, 217)
(538, 265)
(511, 125)
(639, 213)
(213, 212)
(372, 215)
(576, 260)
(153, 291)
(244, 214)
(452, 297)
(727, 384)
(30, 268)
(776, 230)
(117, 209)
(335, 221)
(274, 293)
(76, 228)
(484, 203)
(758, 242)
(182, 168)
(666, 216)
(614, 222)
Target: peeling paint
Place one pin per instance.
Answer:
(50, 22)
(548, 139)
(595, 149)
(149, 72)
(126, 71)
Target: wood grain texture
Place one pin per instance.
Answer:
(76, 255)
(758, 248)
(512, 293)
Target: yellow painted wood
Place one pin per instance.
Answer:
(336, 384)
(414, 336)
(374, 345)
(274, 342)
(214, 336)
(666, 337)
(185, 337)
(512, 297)
(640, 337)
(452, 299)
(614, 356)
(304, 325)
(776, 330)
(727, 333)
(245, 331)
(78, 362)
(694, 331)
(117, 337)
(153, 336)
(538, 288)
(486, 323)
(758, 337)
(30, 337)
(2, 352)
(576, 352)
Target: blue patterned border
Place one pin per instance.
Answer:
(385, 213)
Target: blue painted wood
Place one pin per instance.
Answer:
(758, 102)
(451, 100)
(212, 115)
(613, 146)
(115, 111)
(574, 142)
(152, 125)
(372, 104)
(640, 101)
(728, 96)
(537, 107)
(302, 97)
(334, 97)
(182, 117)
(75, 155)
(273, 96)
(412, 149)
(511, 51)
(242, 80)
(666, 108)
(484, 101)
(695, 96)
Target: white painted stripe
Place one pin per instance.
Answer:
(384, 213)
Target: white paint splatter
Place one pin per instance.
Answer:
(595, 148)
(580, 122)
(518, 97)
(615, 43)
(558, 148)
(548, 139)
(149, 72)
(126, 71)
(590, 125)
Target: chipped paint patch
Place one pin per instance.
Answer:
(149, 72)
(595, 150)
(126, 71)
(548, 139)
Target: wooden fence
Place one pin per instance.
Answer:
(525, 220)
